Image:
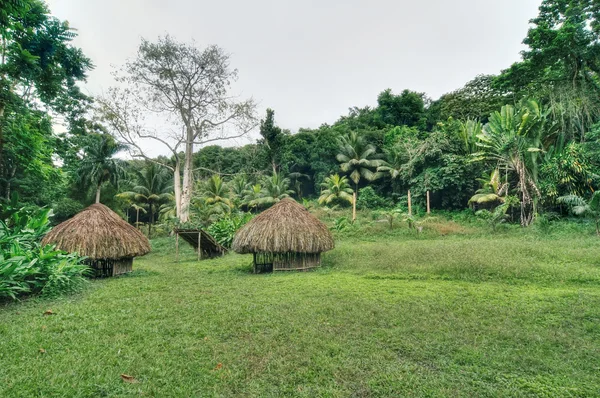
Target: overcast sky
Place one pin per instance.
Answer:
(311, 60)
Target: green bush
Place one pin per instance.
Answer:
(65, 209)
(27, 267)
(369, 199)
(225, 227)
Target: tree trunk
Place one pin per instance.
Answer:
(188, 178)
(409, 204)
(177, 188)
(354, 197)
(98, 194)
(2, 171)
(137, 218)
(150, 221)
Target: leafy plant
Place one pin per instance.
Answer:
(581, 207)
(341, 224)
(499, 214)
(224, 229)
(390, 216)
(335, 190)
(27, 267)
(369, 199)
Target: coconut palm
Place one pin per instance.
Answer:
(251, 194)
(335, 189)
(274, 189)
(238, 185)
(216, 193)
(581, 207)
(359, 160)
(98, 164)
(514, 139)
(152, 189)
(396, 161)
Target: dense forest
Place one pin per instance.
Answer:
(525, 142)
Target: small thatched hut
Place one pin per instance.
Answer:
(98, 233)
(284, 237)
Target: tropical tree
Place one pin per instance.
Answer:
(396, 161)
(581, 207)
(491, 192)
(153, 188)
(216, 193)
(189, 86)
(252, 194)
(359, 160)
(98, 164)
(297, 179)
(274, 189)
(336, 189)
(39, 69)
(467, 133)
(514, 139)
(238, 186)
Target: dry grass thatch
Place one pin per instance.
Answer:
(284, 228)
(98, 233)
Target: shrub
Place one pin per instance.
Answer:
(225, 227)
(65, 209)
(27, 267)
(369, 199)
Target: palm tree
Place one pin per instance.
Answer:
(359, 160)
(514, 138)
(396, 161)
(275, 188)
(335, 189)
(580, 207)
(296, 178)
(251, 194)
(98, 165)
(216, 194)
(238, 186)
(137, 209)
(153, 188)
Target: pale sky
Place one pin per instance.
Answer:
(311, 60)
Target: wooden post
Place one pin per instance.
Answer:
(177, 246)
(409, 204)
(428, 207)
(199, 245)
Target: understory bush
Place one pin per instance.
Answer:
(369, 199)
(27, 267)
(225, 227)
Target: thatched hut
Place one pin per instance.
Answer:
(109, 242)
(284, 237)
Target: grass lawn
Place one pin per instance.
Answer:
(507, 315)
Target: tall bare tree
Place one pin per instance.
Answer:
(189, 88)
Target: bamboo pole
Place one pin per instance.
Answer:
(428, 207)
(409, 204)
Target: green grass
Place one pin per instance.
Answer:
(397, 314)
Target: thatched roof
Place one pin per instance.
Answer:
(98, 232)
(285, 227)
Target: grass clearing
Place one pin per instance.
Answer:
(404, 315)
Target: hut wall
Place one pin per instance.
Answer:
(105, 267)
(267, 262)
